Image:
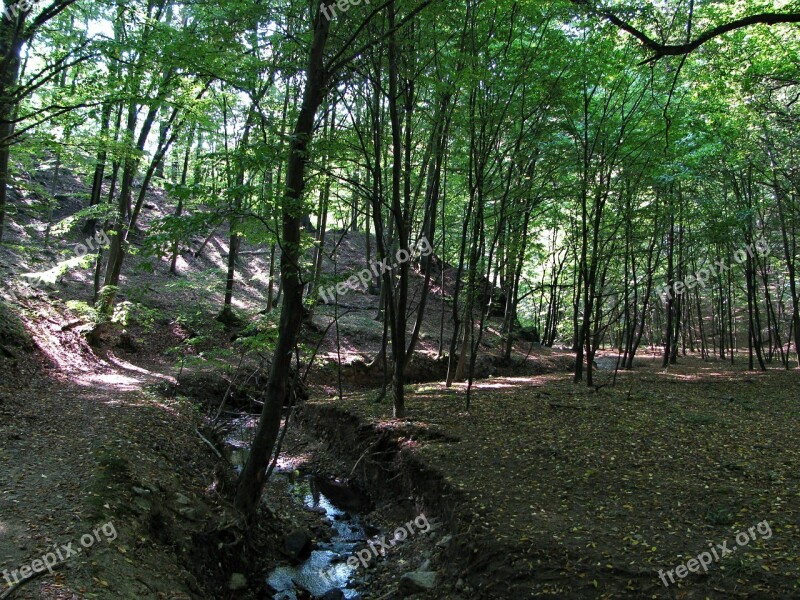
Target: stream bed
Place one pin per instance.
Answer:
(326, 568)
(325, 572)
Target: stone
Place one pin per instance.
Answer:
(444, 542)
(417, 582)
(334, 594)
(142, 505)
(237, 582)
(434, 526)
(297, 544)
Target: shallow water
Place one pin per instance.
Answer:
(326, 568)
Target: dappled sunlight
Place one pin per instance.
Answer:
(697, 376)
(403, 424)
(132, 399)
(409, 444)
(215, 252)
(592, 473)
(346, 356)
(127, 366)
(120, 382)
(292, 462)
(181, 264)
(240, 303)
(505, 382)
(491, 383)
(388, 424)
(52, 275)
(503, 239)
(428, 347)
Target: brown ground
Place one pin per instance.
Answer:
(561, 492)
(78, 435)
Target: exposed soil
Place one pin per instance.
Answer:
(87, 449)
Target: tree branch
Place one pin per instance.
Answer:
(50, 11)
(660, 50)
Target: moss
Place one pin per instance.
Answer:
(12, 329)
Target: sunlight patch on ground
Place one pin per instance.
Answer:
(288, 462)
(705, 373)
(120, 382)
(123, 364)
(347, 356)
(493, 383)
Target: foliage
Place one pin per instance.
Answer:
(126, 313)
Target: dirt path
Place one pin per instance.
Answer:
(88, 472)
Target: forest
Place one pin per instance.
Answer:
(399, 298)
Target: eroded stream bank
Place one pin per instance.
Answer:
(350, 536)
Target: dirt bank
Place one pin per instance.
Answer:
(86, 450)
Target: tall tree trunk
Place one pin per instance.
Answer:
(119, 234)
(322, 212)
(12, 40)
(439, 147)
(398, 311)
(179, 208)
(251, 481)
(669, 302)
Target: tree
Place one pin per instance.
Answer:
(15, 32)
(662, 49)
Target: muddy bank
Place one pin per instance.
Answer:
(471, 559)
(384, 465)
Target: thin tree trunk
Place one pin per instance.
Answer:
(252, 478)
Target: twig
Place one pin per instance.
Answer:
(616, 368)
(387, 595)
(230, 385)
(212, 446)
(15, 587)
(280, 439)
(353, 470)
(144, 583)
(316, 349)
(524, 360)
(72, 324)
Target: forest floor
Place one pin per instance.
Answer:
(569, 492)
(88, 437)
(93, 462)
(558, 490)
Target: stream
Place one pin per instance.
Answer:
(326, 569)
(325, 573)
